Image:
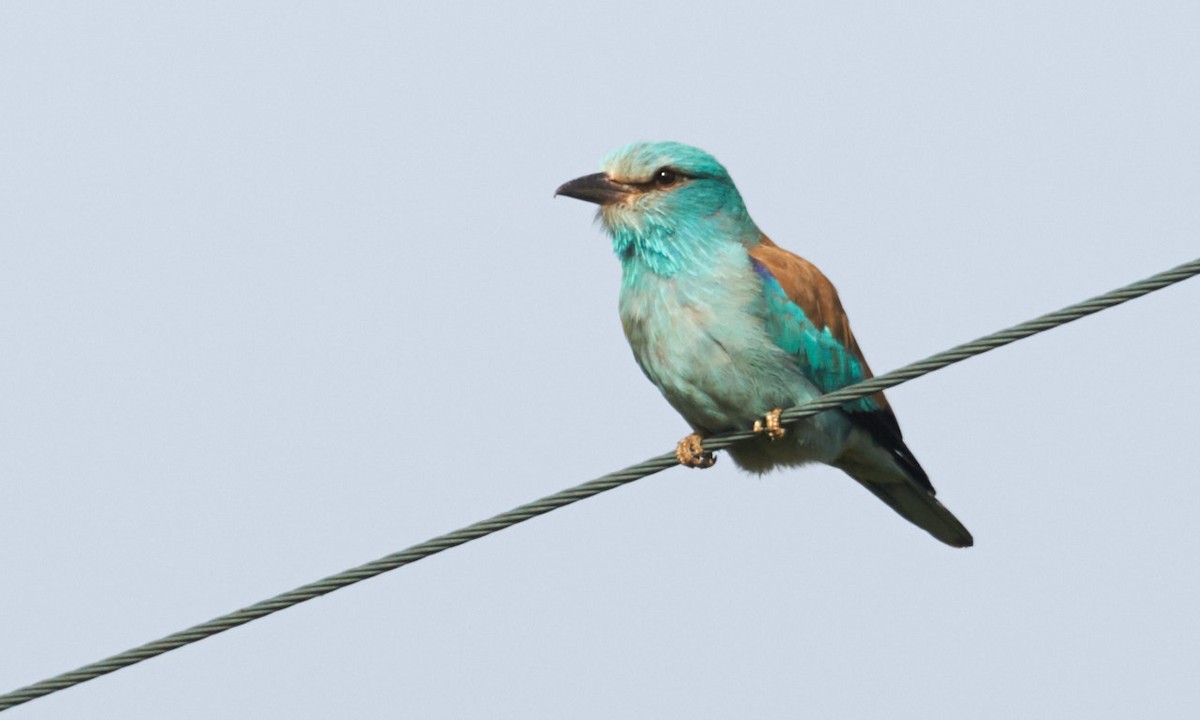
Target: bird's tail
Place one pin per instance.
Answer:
(918, 506)
(880, 461)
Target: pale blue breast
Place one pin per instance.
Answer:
(702, 339)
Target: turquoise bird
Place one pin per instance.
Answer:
(732, 329)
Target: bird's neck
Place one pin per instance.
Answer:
(679, 248)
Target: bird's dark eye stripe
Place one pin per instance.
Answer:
(665, 177)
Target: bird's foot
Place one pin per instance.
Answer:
(769, 424)
(690, 453)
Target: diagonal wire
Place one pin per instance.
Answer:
(588, 489)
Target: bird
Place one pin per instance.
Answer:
(732, 328)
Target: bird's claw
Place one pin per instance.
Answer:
(691, 453)
(769, 424)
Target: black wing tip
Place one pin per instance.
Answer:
(884, 429)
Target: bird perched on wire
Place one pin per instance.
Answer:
(733, 328)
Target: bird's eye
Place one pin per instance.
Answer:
(666, 177)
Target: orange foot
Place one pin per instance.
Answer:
(770, 425)
(691, 453)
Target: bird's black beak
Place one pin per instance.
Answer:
(595, 188)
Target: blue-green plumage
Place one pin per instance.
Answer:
(828, 364)
(730, 327)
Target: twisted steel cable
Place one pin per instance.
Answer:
(588, 489)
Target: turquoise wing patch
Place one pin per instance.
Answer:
(818, 353)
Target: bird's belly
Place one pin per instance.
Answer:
(721, 371)
(705, 378)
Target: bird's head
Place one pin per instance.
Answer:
(665, 204)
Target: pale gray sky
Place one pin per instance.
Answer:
(283, 289)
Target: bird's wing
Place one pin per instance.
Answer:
(806, 318)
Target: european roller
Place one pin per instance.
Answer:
(732, 328)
